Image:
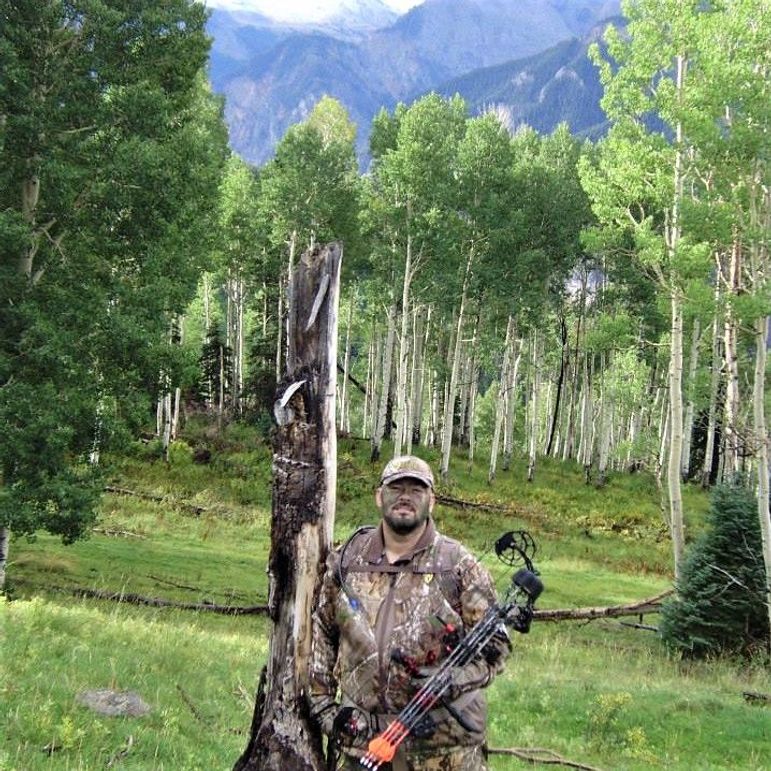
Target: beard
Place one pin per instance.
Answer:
(402, 525)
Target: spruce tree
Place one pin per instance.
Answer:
(719, 607)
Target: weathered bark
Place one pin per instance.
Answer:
(304, 479)
(650, 605)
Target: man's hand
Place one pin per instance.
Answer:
(349, 723)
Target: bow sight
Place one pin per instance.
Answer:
(515, 548)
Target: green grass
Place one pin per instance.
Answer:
(598, 693)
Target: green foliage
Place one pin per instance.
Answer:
(107, 121)
(720, 606)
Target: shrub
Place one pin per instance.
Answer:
(720, 605)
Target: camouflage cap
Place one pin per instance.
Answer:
(407, 466)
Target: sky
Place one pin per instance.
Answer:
(299, 10)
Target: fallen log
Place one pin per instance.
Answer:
(539, 755)
(184, 505)
(158, 602)
(117, 533)
(458, 503)
(649, 605)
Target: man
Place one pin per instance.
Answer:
(390, 600)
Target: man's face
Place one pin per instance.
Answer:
(405, 504)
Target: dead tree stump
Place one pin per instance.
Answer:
(304, 479)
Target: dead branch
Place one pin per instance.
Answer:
(191, 705)
(540, 755)
(121, 753)
(158, 602)
(117, 533)
(184, 505)
(757, 698)
(461, 504)
(650, 605)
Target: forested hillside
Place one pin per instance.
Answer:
(605, 304)
(510, 301)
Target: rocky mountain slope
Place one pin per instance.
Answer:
(272, 74)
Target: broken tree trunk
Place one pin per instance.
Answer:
(304, 478)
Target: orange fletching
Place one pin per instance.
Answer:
(382, 749)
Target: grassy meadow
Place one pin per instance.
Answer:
(601, 694)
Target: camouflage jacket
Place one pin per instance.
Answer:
(372, 613)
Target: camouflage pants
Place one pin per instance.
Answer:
(458, 759)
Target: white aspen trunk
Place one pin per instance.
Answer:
(5, 540)
(221, 395)
(714, 385)
(415, 365)
(501, 403)
(511, 398)
(433, 425)
(533, 405)
(606, 427)
(241, 335)
(422, 332)
(377, 437)
(677, 528)
(586, 446)
(732, 395)
(177, 391)
(464, 380)
(568, 449)
(449, 407)
(693, 362)
(677, 525)
(450, 395)
(472, 401)
(543, 428)
(346, 366)
(166, 436)
(404, 353)
(760, 214)
(377, 381)
(470, 384)
(761, 452)
(206, 307)
(279, 329)
(369, 385)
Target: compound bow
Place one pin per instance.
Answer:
(515, 610)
